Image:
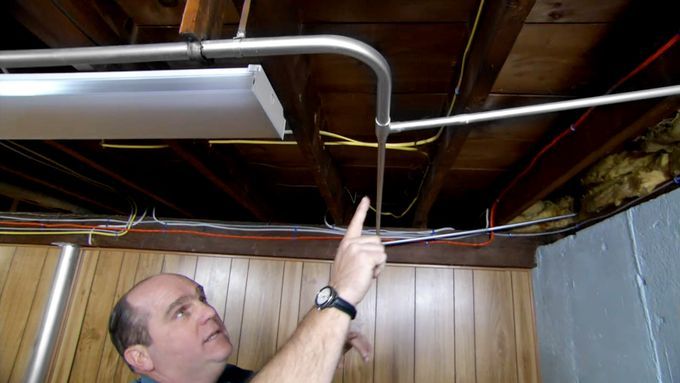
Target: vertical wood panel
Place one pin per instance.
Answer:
(213, 274)
(315, 275)
(395, 327)
(427, 324)
(435, 342)
(494, 328)
(464, 317)
(35, 317)
(290, 301)
(236, 297)
(180, 264)
(6, 255)
(525, 330)
(93, 334)
(260, 314)
(17, 298)
(68, 338)
(356, 370)
(110, 360)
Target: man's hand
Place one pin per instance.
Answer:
(359, 259)
(358, 341)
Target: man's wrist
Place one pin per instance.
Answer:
(328, 297)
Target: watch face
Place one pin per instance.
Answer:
(323, 296)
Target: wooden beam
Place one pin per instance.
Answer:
(37, 198)
(202, 19)
(239, 186)
(60, 188)
(499, 26)
(292, 79)
(102, 169)
(606, 129)
(504, 252)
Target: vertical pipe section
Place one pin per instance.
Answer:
(46, 338)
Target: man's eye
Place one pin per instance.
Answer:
(181, 313)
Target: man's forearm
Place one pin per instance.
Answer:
(312, 352)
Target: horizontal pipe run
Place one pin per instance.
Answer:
(236, 48)
(465, 233)
(469, 118)
(315, 44)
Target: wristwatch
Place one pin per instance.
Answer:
(328, 297)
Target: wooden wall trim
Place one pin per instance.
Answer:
(504, 252)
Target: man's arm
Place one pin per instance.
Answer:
(313, 351)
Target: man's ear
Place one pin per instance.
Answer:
(138, 357)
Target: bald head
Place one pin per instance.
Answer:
(165, 323)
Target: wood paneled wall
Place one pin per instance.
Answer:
(428, 324)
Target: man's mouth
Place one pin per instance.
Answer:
(213, 336)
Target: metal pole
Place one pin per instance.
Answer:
(476, 231)
(209, 49)
(53, 317)
(463, 119)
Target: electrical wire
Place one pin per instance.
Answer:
(572, 128)
(580, 224)
(46, 161)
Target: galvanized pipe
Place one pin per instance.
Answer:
(210, 49)
(46, 339)
(466, 233)
(464, 119)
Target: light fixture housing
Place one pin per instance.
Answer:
(172, 104)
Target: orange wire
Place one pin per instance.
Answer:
(574, 126)
(206, 234)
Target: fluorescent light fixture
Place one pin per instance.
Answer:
(195, 103)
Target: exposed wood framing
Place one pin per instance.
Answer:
(500, 24)
(61, 189)
(202, 19)
(291, 77)
(238, 186)
(37, 198)
(504, 252)
(117, 177)
(606, 129)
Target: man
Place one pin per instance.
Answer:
(167, 332)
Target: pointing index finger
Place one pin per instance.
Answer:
(356, 225)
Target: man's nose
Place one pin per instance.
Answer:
(205, 312)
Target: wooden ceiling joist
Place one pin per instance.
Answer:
(202, 19)
(61, 188)
(238, 186)
(606, 129)
(291, 77)
(102, 169)
(501, 22)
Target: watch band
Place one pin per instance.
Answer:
(344, 306)
(330, 298)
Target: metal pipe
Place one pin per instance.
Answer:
(255, 47)
(53, 317)
(316, 44)
(464, 119)
(476, 231)
(243, 21)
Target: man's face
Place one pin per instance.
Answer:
(187, 333)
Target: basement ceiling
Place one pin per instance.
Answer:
(519, 53)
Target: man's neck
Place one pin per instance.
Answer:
(204, 375)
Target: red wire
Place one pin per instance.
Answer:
(578, 123)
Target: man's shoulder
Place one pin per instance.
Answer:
(231, 374)
(234, 374)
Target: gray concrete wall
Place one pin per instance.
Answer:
(608, 299)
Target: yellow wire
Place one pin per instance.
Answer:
(252, 142)
(119, 146)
